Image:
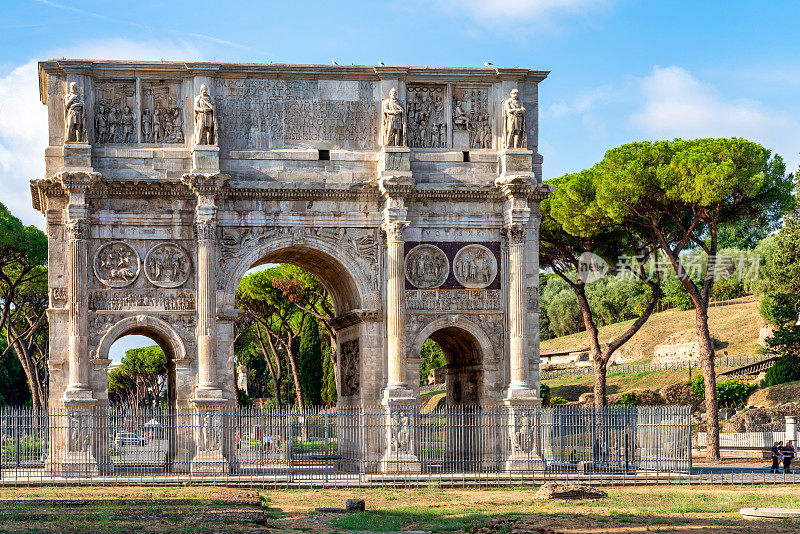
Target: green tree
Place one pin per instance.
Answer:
(329, 396)
(432, 357)
(276, 304)
(574, 234)
(681, 192)
(14, 390)
(23, 299)
(310, 362)
(140, 379)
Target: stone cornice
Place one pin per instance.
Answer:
(177, 70)
(355, 317)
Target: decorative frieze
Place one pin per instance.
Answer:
(141, 299)
(453, 300)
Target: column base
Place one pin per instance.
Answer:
(521, 395)
(520, 462)
(209, 439)
(402, 432)
(209, 463)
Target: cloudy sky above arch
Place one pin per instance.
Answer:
(622, 70)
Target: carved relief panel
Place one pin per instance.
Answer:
(167, 265)
(472, 126)
(426, 119)
(475, 266)
(162, 115)
(114, 119)
(426, 266)
(116, 264)
(349, 356)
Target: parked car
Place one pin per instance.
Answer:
(129, 438)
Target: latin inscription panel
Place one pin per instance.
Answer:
(261, 114)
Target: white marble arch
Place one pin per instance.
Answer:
(455, 321)
(157, 329)
(467, 349)
(343, 273)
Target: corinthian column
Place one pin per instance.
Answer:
(516, 236)
(206, 301)
(206, 187)
(396, 306)
(76, 184)
(77, 273)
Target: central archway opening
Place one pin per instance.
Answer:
(461, 356)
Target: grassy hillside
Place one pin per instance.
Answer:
(572, 387)
(735, 328)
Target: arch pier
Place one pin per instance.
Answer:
(412, 194)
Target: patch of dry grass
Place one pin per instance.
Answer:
(735, 327)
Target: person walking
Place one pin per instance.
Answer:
(776, 456)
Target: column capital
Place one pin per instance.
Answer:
(205, 229)
(77, 228)
(515, 186)
(395, 230)
(515, 233)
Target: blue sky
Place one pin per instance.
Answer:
(622, 70)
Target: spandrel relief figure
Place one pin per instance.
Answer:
(394, 124)
(514, 122)
(205, 120)
(74, 115)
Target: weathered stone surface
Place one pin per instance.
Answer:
(166, 182)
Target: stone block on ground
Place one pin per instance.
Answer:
(355, 505)
(551, 490)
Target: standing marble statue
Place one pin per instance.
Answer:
(513, 122)
(393, 121)
(74, 115)
(205, 120)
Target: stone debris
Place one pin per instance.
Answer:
(551, 490)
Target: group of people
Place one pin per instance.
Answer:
(783, 453)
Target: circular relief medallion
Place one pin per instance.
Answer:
(475, 266)
(116, 264)
(167, 265)
(426, 266)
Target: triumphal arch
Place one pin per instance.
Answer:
(411, 192)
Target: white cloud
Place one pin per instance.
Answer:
(23, 118)
(676, 104)
(675, 101)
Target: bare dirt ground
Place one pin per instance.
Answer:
(628, 510)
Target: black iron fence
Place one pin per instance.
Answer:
(345, 446)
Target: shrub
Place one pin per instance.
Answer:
(730, 393)
(786, 369)
(558, 400)
(544, 393)
(627, 399)
(732, 288)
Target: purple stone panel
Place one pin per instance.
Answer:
(450, 248)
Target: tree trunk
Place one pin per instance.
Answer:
(599, 367)
(710, 379)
